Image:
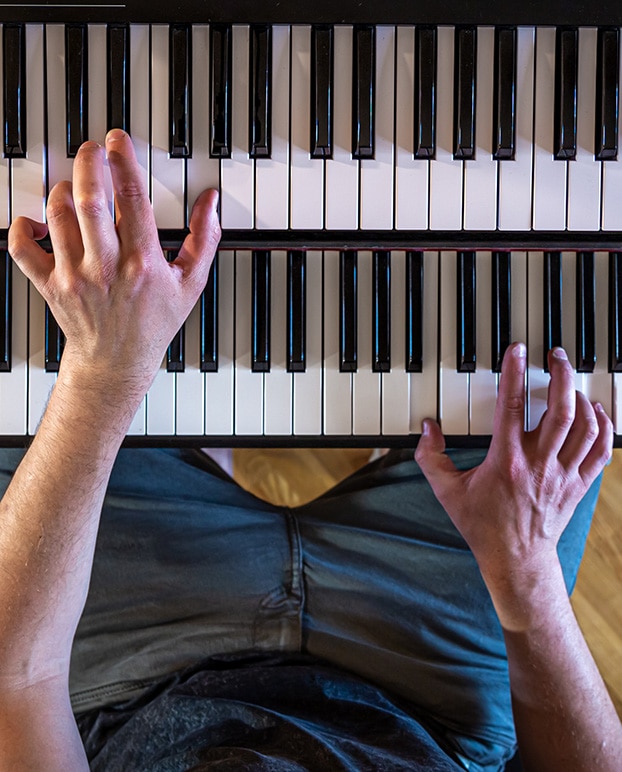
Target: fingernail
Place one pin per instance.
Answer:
(559, 353)
(520, 350)
(114, 135)
(215, 200)
(425, 427)
(599, 408)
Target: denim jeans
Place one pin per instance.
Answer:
(372, 577)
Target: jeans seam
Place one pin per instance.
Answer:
(296, 589)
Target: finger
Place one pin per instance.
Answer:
(600, 452)
(582, 434)
(32, 260)
(509, 417)
(561, 403)
(435, 464)
(63, 224)
(134, 214)
(91, 203)
(197, 252)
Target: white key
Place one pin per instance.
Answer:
(202, 171)
(190, 386)
(342, 171)
(584, 173)
(97, 68)
(483, 382)
(515, 177)
(167, 174)
(612, 186)
(396, 383)
(278, 387)
(28, 174)
(480, 175)
(59, 166)
(445, 173)
(424, 385)
(549, 202)
(411, 174)
(249, 386)
(598, 385)
(377, 174)
(569, 312)
(337, 385)
(365, 383)
(13, 385)
(219, 385)
(140, 66)
(308, 385)
(307, 174)
(4, 167)
(537, 379)
(453, 386)
(237, 173)
(272, 174)
(520, 308)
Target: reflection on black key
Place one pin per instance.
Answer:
(466, 354)
(54, 342)
(321, 92)
(363, 96)
(552, 285)
(180, 89)
(76, 86)
(381, 317)
(347, 312)
(209, 321)
(296, 312)
(504, 107)
(260, 332)
(118, 88)
(566, 74)
(615, 312)
(425, 92)
(586, 313)
(260, 108)
(175, 351)
(607, 95)
(414, 312)
(5, 311)
(501, 308)
(14, 63)
(464, 93)
(221, 81)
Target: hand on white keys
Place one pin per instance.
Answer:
(109, 286)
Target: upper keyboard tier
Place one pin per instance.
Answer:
(478, 12)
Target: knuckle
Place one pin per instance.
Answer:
(130, 189)
(91, 205)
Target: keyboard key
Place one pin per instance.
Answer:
(321, 91)
(278, 391)
(119, 74)
(337, 391)
(538, 337)
(260, 80)
(466, 314)
(54, 342)
(296, 311)
(425, 385)
(425, 93)
(364, 94)
(381, 315)
(14, 76)
(553, 304)
(209, 321)
(505, 94)
(612, 184)
(464, 93)
(607, 95)
(615, 312)
(219, 386)
(180, 89)
(190, 385)
(77, 83)
(414, 312)
(366, 384)
(308, 385)
(453, 386)
(482, 382)
(586, 313)
(395, 383)
(566, 75)
(14, 385)
(5, 311)
(501, 324)
(348, 305)
(260, 335)
(221, 69)
(248, 408)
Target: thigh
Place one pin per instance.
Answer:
(187, 564)
(393, 593)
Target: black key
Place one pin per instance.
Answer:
(180, 90)
(586, 313)
(552, 285)
(14, 56)
(501, 308)
(465, 334)
(363, 92)
(414, 312)
(321, 92)
(381, 312)
(118, 89)
(607, 95)
(464, 93)
(175, 351)
(221, 79)
(566, 75)
(209, 321)
(54, 342)
(425, 92)
(615, 312)
(260, 78)
(76, 86)
(347, 312)
(260, 332)
(5, 312)
(296, 312)
(504, 105)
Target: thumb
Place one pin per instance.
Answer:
(430, 454)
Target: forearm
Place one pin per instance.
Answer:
(564, 717)
(48, 526)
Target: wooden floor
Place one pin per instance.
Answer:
(292, 477)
